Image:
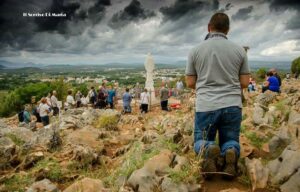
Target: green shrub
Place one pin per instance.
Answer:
(14, 101)
(295, 68)
(109, 122)
(261, 72)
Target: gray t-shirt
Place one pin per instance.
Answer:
(217, 63)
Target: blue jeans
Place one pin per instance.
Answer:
(227, 121)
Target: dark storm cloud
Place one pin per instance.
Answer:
(281, 5)
(184, 7)
(285, 4)
(97, 12)
(16, 30)
(243, 14)
(19, 33)
(57, 23)
(133, 12)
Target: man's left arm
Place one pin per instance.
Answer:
(244, 72)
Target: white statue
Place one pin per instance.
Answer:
(149, 85)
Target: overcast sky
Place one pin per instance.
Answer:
(105, 31)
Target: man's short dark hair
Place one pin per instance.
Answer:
(127, 89)
(219, 22)
(269, 74)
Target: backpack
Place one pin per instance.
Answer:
(21, 116)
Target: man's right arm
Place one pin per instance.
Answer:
(190, 72)
(191, 81)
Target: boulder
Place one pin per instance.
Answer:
(266, 97)
(86, 136)
(168, 185)
(146, 179)
(294, 118)
(173, 135)
(86, 185)
(258, 174)
(70, 122)
(292, 184)
(7, 151)
(43, 185)
(150, 136)
(142, 180)
(179, 163)
(85, 156)
(258, 115)
(282, 168)
(280, 140)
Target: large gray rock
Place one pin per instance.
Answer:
(150, 136)
(258, 115)
(85, 156)
(48, 138)
(169, 186)
(70, 122)
(282, 168)
(258, 174)
(44, 186)
(281, 139)
(294, 118)
(292, 184)
(266, 97)
(7, 151)
(147, 178)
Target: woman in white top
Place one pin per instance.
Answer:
(145, 99)
(70, 102)
(44, 110)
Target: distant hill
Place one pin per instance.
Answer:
(2, 67)
(24, 70)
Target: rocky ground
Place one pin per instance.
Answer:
(102, 150)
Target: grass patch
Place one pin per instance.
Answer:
(18, 183)
(168, 144)
(54, 172)
(15, 139)
(108, 122)
(255, 140)
(243, 128)
(245, 116)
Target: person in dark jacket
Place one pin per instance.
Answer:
(275, 74)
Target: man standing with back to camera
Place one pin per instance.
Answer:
(218, 69)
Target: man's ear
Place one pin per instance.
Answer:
(227, 31)
(209, 28)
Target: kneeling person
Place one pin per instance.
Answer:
(218, 68)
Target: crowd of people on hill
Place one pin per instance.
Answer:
(103, 98)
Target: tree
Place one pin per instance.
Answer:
(261, 72)
(295, 68)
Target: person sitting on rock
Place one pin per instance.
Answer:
(275, 74)
(127, 98)
(26, 114)
(271, 84)
(70, 102)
